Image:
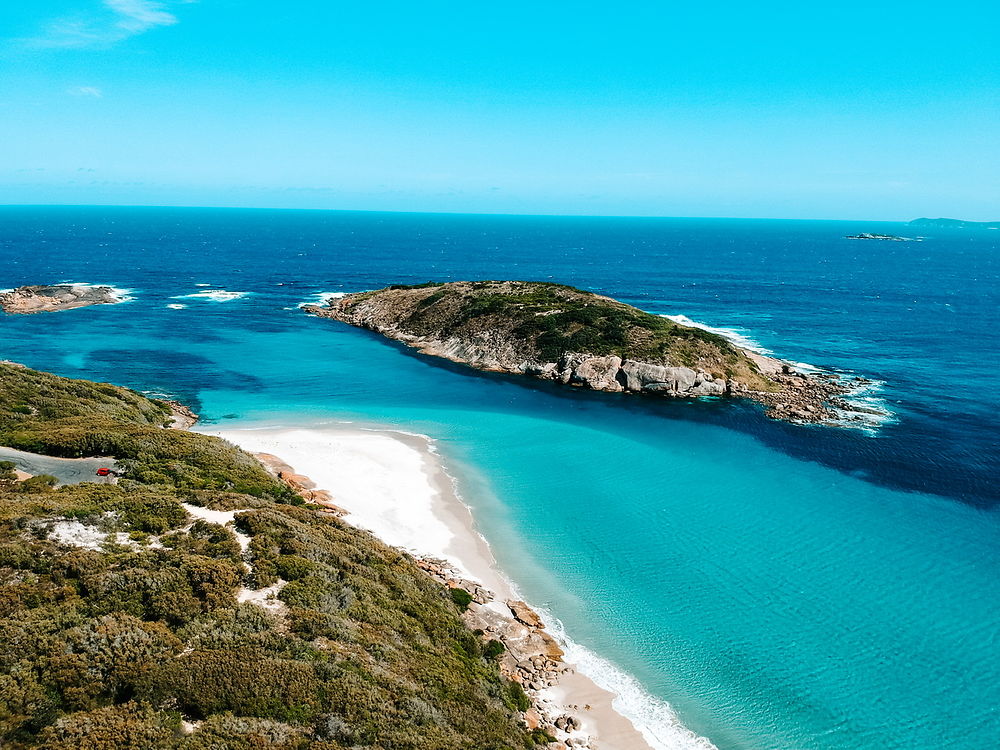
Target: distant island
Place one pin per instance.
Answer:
(578, 338)
(889, 237)
(52, 298)
(925, 223)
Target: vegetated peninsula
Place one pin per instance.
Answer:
(52, 298)
(925, 223)
(579, 338)
(200, 602)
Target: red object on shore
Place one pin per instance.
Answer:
(102, 472)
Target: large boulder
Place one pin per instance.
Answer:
(642, 376)
(596, 373)
(681, 381)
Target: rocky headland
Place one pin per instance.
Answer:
(577, 338)
(52, 298)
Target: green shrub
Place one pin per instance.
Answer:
(493, 649)
(209, 682)
(38, 483)
(461, 597)
(130, 725)
(515, 697)
(540, 737)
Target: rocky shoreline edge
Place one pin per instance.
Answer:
(26, 300)
(564, 703)
(530, 656)
(795, 396)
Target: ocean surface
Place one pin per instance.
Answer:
(780, 586)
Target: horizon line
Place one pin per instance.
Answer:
(444, 213)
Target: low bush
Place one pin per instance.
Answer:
(109, 641)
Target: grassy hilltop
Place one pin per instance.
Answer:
(540, 322)
(139, 641)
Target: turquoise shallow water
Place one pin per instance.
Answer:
(781, 587)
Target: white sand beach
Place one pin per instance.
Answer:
(394, 485)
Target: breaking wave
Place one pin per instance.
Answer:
(320, 298)
(213, 295)
(863, 408)
(123, 294)
(655, 719)
(737, 336)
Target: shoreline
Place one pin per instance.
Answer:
(795, 394)
(394, 485)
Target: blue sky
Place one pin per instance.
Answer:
(870, 110)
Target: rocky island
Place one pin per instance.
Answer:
(40, 298)
(884, 237)
(578, 338)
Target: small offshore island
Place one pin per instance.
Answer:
(884, 237)
(578, 338)
(26, 300)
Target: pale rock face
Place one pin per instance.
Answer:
(547, 371)
(32, 299)
(597, 373)
(642, 376)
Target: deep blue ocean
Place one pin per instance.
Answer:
(782, 587)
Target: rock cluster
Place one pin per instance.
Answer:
(532, 658)
(299, 482)
(181, 416)
(812, 399)
(33, 299)
(444, 573)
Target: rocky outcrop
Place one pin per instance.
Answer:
(564, 335)
(33, 299)
(530, 657)
(302, 484)
(181, 415)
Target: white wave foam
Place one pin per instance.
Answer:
(321, 298)
(213, 295)
(176, 306)
(203, 285)
(866, 410)
(362, 463)
(123, 294)
(655, 719)
(737, 336)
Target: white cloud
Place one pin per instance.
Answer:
(119, 20)
(137, 16)
(89, 91)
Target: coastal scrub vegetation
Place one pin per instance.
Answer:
(542, 321)
(127, 622)
(55, 416)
